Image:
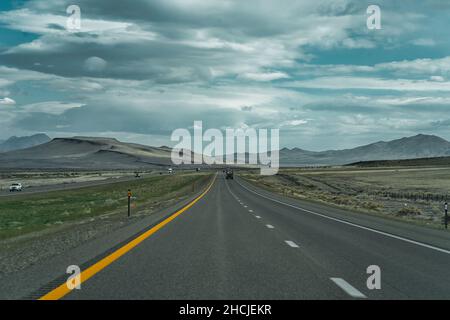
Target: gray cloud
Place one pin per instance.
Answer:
(177, 42)
(122, 118)
(95, 64)
(149, 67)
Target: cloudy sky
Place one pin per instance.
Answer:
(137, 70)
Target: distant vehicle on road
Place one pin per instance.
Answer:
(170, 170)
(229, 174)
(15, 187)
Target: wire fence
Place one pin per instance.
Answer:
(425, 196)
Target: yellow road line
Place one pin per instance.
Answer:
(63, 290)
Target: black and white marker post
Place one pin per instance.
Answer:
(446, 215)
(129, 202)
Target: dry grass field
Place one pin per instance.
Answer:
(415, 194)
(27, 213)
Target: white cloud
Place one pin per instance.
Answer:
(418, 66)
(14, 75)
(425, 42)
(358, 43)
(414, 100)
(434, 69)
(264, 76)
(349, 82)
(49, 107)
(4, 82)
(26, 20)
(7, 101)
(294, 123)
(437, 78)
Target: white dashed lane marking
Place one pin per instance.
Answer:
(348, 288)
(292, 244)
(270, 226)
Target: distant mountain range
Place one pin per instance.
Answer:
(419, 146)
(109, 153)
(16, 143)
(87, 153)
(435, 161)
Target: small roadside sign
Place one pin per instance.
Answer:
(129, 202)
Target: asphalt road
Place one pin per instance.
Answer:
(27, 190)
(63, 186)
(238, 242)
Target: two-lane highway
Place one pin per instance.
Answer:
(345, 250)
(237, 243)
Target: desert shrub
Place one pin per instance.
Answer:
(409, 211)
(342, 200)
(370, 205)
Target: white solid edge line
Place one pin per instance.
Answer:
(352, 224)
(270, 226)
(348, 288)
(291, 243)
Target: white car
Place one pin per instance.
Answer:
(15, 187)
